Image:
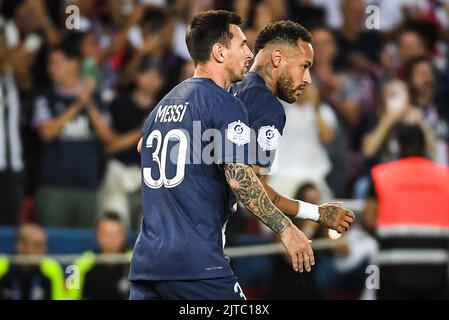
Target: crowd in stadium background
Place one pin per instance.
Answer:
(377, 64)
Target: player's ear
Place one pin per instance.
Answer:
(218, 52)
(276, 57)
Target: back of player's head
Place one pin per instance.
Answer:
(285, 31)
(412, 142)
(208, 28)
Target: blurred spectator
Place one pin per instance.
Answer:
(408, 209)
(259, 16)
(332, 10)
(394, 13)
(410, 45)
(187, 70)
(421, 76)
(148, 39)
(357, 49)
(288, 285)
(342, 271)
(41, 281)
(31, 31)
(103, 60)
(277, 8)
(11, 160)
(339, 90)
(380, 143)
(66, 119)
(184, 11)
(336, 88)
(128, 112)
(339, 272)
(307, 13)
(302, 156)
(104, 281)
(151, 35)
(358, 57)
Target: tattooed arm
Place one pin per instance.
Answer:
(332, 215)
(245, 184)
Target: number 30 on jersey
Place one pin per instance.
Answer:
(160, 157)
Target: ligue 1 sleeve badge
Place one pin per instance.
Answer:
(238, 133)
(268, 138)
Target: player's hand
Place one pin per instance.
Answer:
(298, 247)
(334, 216)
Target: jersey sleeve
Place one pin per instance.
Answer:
(42, 112)
(269, 133)
(233, 134)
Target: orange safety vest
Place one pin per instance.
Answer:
(412, 223)
(412, 192)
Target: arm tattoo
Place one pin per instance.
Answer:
(249, 190)
(328, 215)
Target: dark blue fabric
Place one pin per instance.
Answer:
(263, 108)
(181, 233)
(127, 116)
(72, 159)
(225, 288)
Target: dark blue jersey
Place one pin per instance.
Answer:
(266, 116)
(195, 128)
(73, 158)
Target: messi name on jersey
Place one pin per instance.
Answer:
(171, 113)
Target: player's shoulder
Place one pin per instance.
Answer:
(253, 92)
(202, 89)
(218, 98)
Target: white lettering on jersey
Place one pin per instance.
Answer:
(77, 129)
(171, 113)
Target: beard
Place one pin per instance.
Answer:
(285, 90)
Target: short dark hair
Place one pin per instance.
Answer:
(110, 216)
(154, 19)
(300, 193)
(411, 65)
(282, 31)
(208, 28)
(412, 142)
(70, 45)
(149, 62)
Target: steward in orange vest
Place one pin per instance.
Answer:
(409, 212)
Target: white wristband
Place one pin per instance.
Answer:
(307, 211)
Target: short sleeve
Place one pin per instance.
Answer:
(232, 135)
(269, 134)
(41, 111)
